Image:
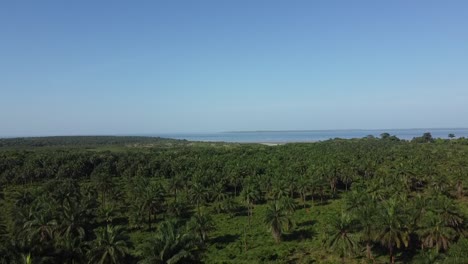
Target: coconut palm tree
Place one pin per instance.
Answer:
(4, 242)
(279, 189)
(202, 225)
(71, 219)
(393, 233)
(341, 237)
(104, 183)
(198, 194)
(435, 234)
(218, 196)
(303, 187)
(171, 244)
(277, 220)
(250, 195)
(40, 225)
(107, 213)
(288, 204)
(176, 183)
(110, 246)
(71, 250)
(151, 197)
(449, 212)
(367, 224)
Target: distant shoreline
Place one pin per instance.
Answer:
(331, 130)
(279, 136)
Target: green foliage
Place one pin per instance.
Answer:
(201, 225)
(425, 138)
(74, 200)
(277, 220)
(171, 244)
(341, 237)
(110, 246)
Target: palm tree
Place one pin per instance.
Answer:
(23, 198)
(279, 189)
(202, 225)
(435, 234)
(291, 185)
(66, 190)
(175, 184)
(104, 183)
(288, 204)
(170, 245)
(250, 194)
(40, 224)
(110, 247)
(27, 259)
(347, 176)
(366, 214)
(449, 212)
(4, 242)
(151, 199)
(107, 213)
(459, 172)
(71, 249)
(72, 217)
(330, 172)
(235, 180)
(303, 187)
(341, 237)
(277, 220)
(393, 233)
(198, 195)
(218, 196)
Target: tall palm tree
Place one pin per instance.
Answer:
(104, 183)
(341, 237)
(218, 196)
(151, 198)
(40, 224)
(459, 175)
(110, 246)
(171, 245)
(71, 219)
(367, 216)
(175, 184)
(235, 179)
(198, 194)
(279, 189)
(250, 195)
(393, 233)
(303, 187)
(288, 204)
(435, 234)
(27, 259)
(277, 220)
(4, 242)
(71, 250)
(202, 225)
(107, 213)
(449, 212)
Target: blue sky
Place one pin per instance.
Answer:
(126, 67)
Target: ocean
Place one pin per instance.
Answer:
(310, 135)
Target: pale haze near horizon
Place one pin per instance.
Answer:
(205, 66)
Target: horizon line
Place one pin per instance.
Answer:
(346, 129)
(221, 132)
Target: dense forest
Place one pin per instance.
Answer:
(153, 200)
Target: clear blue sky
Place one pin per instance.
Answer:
(119, 67)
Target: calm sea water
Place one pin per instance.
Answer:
(309, 136)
